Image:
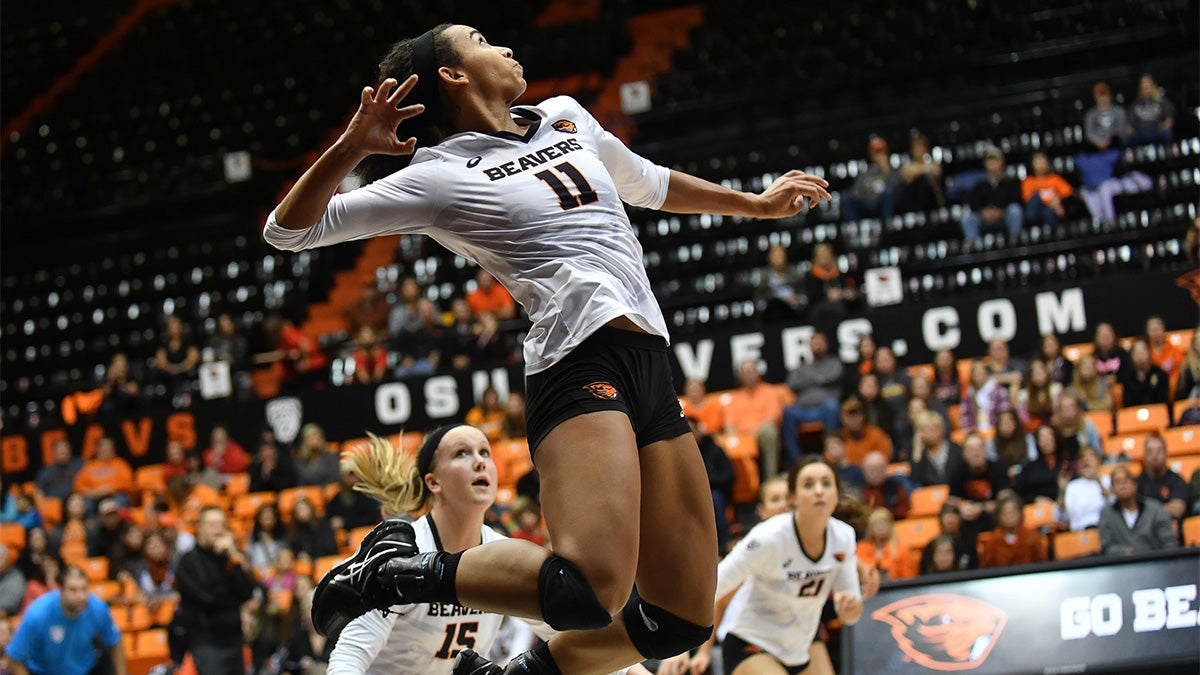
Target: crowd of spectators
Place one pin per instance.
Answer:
(998, 198)
(1001, 433)
(213, 572)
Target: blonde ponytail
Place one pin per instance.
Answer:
(387, 475)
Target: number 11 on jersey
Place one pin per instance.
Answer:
(567, 199)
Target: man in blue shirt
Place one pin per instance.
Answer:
(67, 632)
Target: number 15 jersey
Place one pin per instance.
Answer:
(542, 211)
(784, 590)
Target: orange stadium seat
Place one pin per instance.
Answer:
(1039, 514)
(152, 643)
(322, 565)
(742, 450)
(1134, 466)
(1070, 545)
(410, 441)
(1182, 440)
(356, 535)
(73, 552)
(916, 533)
(1191, 531)
(1185, 466)
(165, 612)
(1130, 445)
(51, 509)
(105, 590)
(1181, 338)
(12, 535)
(247, 505)
(96, 569)
(928, 500)
(1102, 420)
(288, 497)
(1183, 405)
(512, 461)
(237, 485)
(1142, 418)
(330, 491)
(132, 618)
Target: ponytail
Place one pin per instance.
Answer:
(387, 475)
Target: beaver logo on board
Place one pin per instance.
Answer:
(602, 390)
(943, 631)
(565, 126)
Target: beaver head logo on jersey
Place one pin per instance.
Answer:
(602, 390)
(944, 631)
(565, 126)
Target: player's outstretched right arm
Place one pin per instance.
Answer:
(371, 131)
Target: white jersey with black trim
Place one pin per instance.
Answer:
(424, 638)
(784, 590)
(541, 211)
(414, 639)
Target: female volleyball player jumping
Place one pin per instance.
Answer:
(533, 194)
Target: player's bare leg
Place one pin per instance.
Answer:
(760, 664)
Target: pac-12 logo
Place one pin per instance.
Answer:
(943, 631)
(565, 126)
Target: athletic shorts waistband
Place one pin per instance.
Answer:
(628, 338)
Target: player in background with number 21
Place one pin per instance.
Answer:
(533, 194)
(787, 567)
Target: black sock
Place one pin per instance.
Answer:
(536, 661)
(445, 569)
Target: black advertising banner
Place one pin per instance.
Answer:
(965, 326)
(1114, 615)
(343, 412)
(915, 332)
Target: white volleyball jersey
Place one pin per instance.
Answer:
(784, 590)
(541, 211)
(414, 639)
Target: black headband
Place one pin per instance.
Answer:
(425, 67)
(430, 446)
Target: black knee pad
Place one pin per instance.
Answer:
(567, 599)
(657, 633)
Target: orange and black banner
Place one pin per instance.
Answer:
(1134, 614)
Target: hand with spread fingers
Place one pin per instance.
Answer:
(372, 130)
(791, 193)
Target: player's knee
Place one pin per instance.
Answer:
(568, 600)
(657, 633)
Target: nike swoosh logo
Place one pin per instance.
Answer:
(650, 623)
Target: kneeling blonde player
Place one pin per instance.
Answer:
(453, 473)
(786, 567)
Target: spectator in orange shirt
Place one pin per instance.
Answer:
(106, 475)
(1044, 192)
(698, 406)
(224, 455)
(881, 549)
(756, 408)
(1011, 542)
(488, 416)
(861, 438)
(1162, 353)
(490, 297)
